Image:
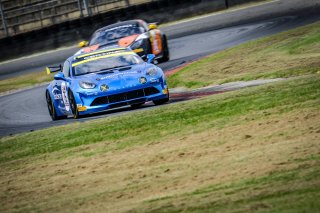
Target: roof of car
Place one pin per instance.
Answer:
(130, 22)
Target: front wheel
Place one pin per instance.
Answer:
(161, 101)
(73, 105)
(136, 106)
(52, 109)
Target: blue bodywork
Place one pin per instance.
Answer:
(129, 85)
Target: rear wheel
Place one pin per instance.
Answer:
(73, 105)
(52, 109)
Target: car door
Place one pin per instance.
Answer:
(60, 91)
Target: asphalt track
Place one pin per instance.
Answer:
(26, 110)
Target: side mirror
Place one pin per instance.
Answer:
(83, 43)
(153, 26)
(53, 69)
(59, 76)
(150, 58)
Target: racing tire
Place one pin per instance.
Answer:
(52, 109)
(166, 55)
(73, 105)
(161, 101)
(136, 106)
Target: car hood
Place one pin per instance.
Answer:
(122, 42)
(119, 78)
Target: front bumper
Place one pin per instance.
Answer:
(93, 103)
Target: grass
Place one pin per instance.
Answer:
(271, 133)
(292, 53)
(24, 81)
(253, 150)
(260, 201)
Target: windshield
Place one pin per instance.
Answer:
(114, 34)
(108, 63)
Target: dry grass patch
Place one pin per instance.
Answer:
(175, 174)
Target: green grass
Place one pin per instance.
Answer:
(26, 80)
(288, 54)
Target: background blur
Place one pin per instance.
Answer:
(28, 26)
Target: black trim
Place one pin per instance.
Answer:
(125, 96)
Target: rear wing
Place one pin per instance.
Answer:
(53, 69)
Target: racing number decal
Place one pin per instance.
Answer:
(65, 96)
(156, 41)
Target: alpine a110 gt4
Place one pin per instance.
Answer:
(105, 79)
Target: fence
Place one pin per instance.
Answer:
(19, 16)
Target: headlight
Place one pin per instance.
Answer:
(152, 71)
(87, 85)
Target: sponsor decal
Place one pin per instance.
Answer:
(65, 96)
(154, 80)
(143, 80)
(105, 49)
(119, 74)
(104, 87)
(102, 55)
(57, 96)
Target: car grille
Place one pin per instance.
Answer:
(125, 96)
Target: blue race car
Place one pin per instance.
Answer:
(103, 80)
